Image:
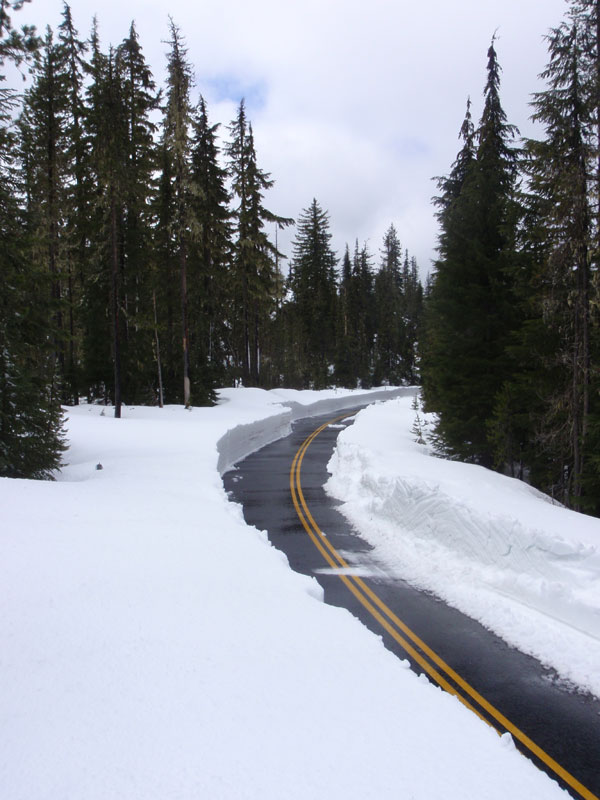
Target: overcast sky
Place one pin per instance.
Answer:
(355, 103)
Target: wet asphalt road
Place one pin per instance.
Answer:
(565, 724)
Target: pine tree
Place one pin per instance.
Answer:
(345, 372)
(254, 269)
(77, 197)
(390, 324)
(177, 146)
(312, 283)
(470, 308)
(106, 123)
(412, 303)
(139, 102)
(558, 168)
(442, 312)
(31, 436)
(43, 144)
(210, 256)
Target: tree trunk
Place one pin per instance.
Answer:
(115, 302)
(184, 323)
(157, 346)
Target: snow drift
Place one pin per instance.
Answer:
(494, 547)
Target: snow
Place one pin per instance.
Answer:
(154, 646)
(490, 545)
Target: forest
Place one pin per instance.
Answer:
(140, 264)
(509, 350)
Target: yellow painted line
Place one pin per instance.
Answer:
(396, 627)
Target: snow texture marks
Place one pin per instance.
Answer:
(490, 545)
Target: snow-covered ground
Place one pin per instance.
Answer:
(492, 546)
(154, 646)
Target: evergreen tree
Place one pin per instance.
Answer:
(106, 122)
(210, 256)
(345, 373)
(413, 314)
(362, 315)
(166, 290)
(312, 283)
(77, 197)
(391, 334)
(470, 308)
(139, 102)
(177, 146)
(254, 270)
(558, 168)
(442, 312)
(43, 144)
(97, 358)
(31, 436)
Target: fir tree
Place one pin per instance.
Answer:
(312, 283)
(31, 436)
(77, 197)
(177, 146)
(470, 308)
(412, 303)
(106, 121)
(43, 146)
(254, 268)
(210, 255)
(390, 324)
(558, 169)
(345, 373)
(139, 101)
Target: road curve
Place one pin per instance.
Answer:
(280, 489)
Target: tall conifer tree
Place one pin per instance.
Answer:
(559, 167)
(390, 324)
(177, 146)
(210, 256)
(312, 282)
(77, 199)
(254, 255)
(31, 437)
(470, 312)
(139, 164)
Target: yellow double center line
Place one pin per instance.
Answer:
(423, 655)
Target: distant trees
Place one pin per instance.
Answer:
(355, 327)
(398, 301)
(312, 281)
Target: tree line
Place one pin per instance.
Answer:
(137, 260)
(510, 350)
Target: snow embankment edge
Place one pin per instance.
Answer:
(243, 439)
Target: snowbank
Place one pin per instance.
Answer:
(243, 439)
(154, 646)
(490, 545)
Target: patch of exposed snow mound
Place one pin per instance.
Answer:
(491, 545)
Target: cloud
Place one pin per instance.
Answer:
(356, 104)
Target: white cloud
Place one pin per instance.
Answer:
(356, 104)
